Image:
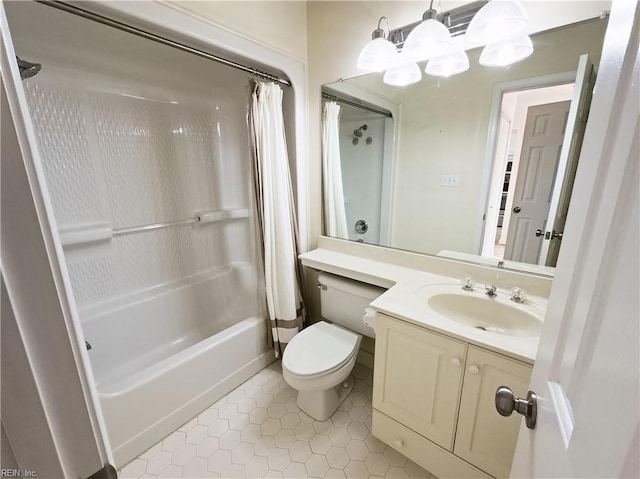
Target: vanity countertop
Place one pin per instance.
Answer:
(401, 300)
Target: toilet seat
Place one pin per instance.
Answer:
(319, 349)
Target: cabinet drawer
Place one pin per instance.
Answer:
(418, 378)
(484, 438)
(423, 452)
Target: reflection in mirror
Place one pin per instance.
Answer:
(478, 166)
(357, 175)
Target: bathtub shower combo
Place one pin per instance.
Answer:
(146, 159)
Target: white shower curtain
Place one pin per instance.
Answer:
(335, 217)
(276, 214)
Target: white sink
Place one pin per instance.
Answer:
(493, 315)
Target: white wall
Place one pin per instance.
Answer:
(7, 457)
(281, 25)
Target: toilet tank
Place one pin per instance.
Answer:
(342, 301)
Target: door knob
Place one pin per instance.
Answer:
(516, 209)
(506, 403)
(555, 235)
(539, 232)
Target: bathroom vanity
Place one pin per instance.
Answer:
(433, 400)
(441, 353)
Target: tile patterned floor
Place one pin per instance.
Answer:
(257, 430)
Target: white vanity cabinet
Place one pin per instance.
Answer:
(420, 381)
(483, 437)
(433, 400)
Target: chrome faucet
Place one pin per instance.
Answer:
(490, 291)
(518, 295)
(467, 283)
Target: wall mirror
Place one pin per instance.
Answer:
(478, 166)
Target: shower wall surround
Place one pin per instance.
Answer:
(116, 160)
(362, 160)
(132, 133)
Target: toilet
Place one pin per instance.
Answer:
(319, 360)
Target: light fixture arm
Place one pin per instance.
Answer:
(455, 20)
(430, 14)
(379, 32)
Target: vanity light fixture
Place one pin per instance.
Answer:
(405, 74)
(506, 52)
(429, 39)
(497, 20)
(498, 24)
(379, 54)
(448, 64)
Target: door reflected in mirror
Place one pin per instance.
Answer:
(477, 167)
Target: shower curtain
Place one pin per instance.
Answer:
(335, 217)
(276, 214)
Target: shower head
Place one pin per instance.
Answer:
(358, 132)
(27, 69)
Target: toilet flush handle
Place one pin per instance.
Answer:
(369, 318)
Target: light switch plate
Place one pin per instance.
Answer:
(450, 180)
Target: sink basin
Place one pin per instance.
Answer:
(497, 315)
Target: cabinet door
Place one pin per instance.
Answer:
(484, 438)
(418, 378)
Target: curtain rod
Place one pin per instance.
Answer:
(156, 38)
(330, 97)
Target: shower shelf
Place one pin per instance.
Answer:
(95, 232)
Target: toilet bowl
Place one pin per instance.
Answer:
(319, 360)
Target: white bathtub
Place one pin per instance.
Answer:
(162, 356)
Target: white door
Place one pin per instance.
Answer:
(586, 373)
(50, 410)
(574, 135)
(541, 146)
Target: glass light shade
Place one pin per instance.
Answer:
(429, 39)
(506, 52)
(378, 55)
(449, 64)
(497, 20)
(405, 74)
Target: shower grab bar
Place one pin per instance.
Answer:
(88, 233)
(154, 226)
(200, 217)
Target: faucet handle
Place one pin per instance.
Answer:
(518, 295)
(490, 290)
(467, 283)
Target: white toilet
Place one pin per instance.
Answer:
(318, 361)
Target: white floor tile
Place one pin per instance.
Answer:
(258, 431)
